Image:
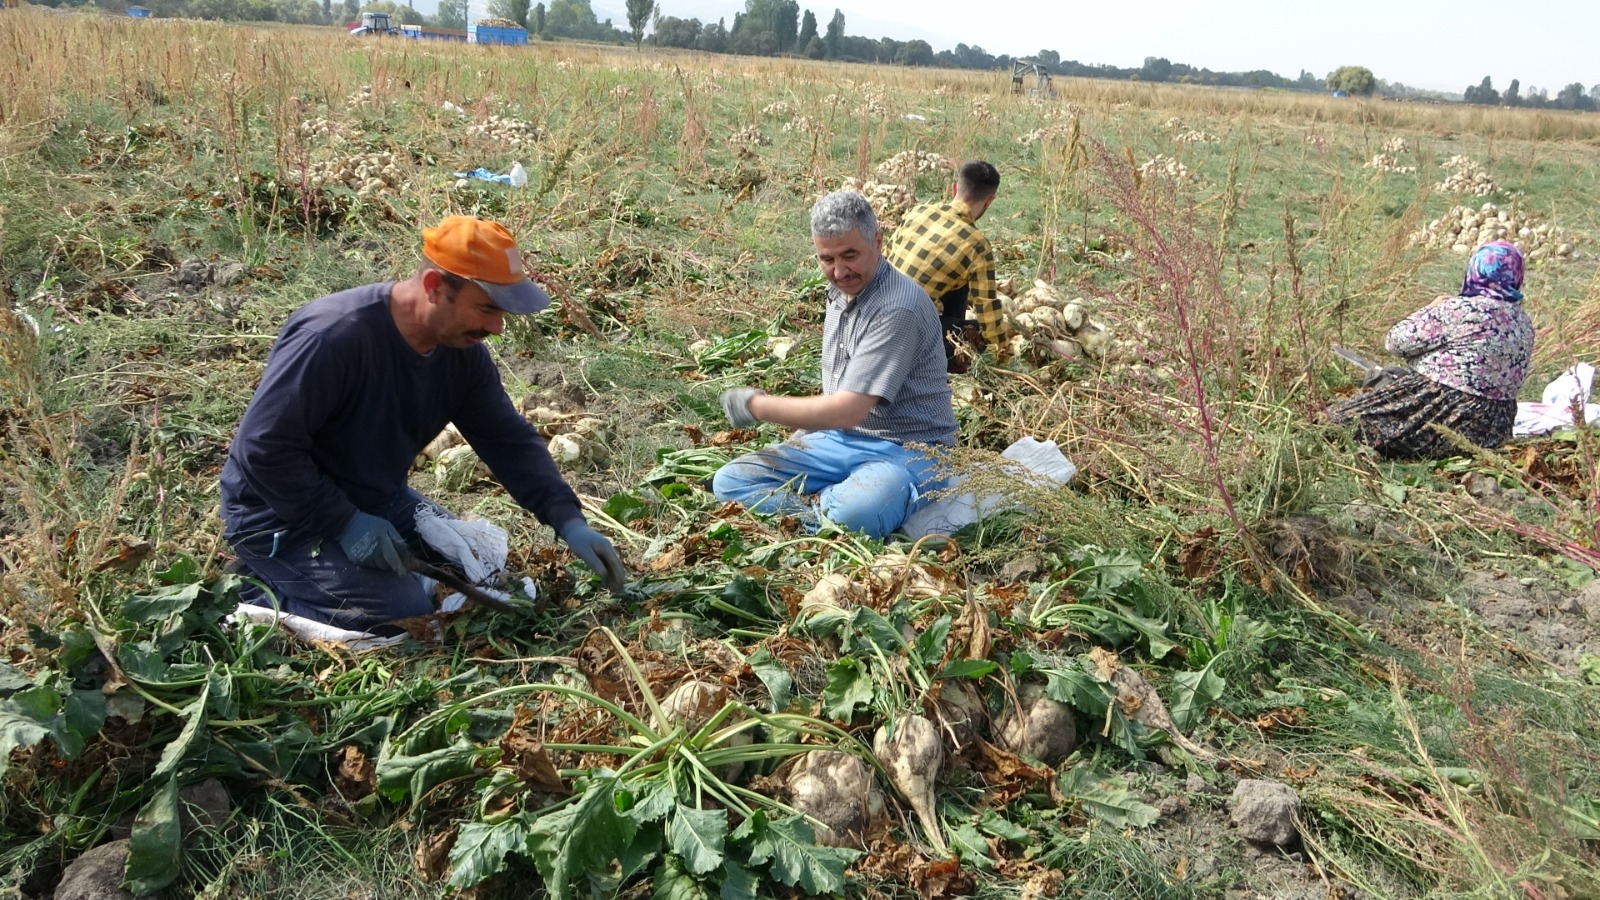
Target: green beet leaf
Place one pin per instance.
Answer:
(798, 860)
(583, 836)
(1108, 800)
(775, 675)
(849, 686)
(1193, 693)
(25, 720)
(673, 882)
(698, 835)
(481, 849)
(155, 851)
(739, 883)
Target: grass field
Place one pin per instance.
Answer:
(1414, 649)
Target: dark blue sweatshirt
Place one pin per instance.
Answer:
(345, 406)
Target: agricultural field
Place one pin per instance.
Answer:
(1236, 657)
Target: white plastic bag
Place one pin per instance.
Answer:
(478, 547)
(1555, 409)
(1038, 463)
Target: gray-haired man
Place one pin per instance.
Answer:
(883, 390)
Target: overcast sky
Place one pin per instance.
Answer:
(1423, 43)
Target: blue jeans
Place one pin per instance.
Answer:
(308, 575)
(861, 483)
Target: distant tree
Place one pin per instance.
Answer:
(1308, 81)
(1156, 68)
(398, 14)
(753, 41)
(575, 19)
(785, 23)
(515, 10)
(815, 49)
(672, 31)
(808, 31)
(1352, 80)
(352, 9)
(302, 12)
(973, 57)
(639, 12)
(1594, 92)
(1050, 59)
(538, 19)
(914, 53)
(1573, 96)
(834, 35)
(327, 10)
(713, 38)
(1484, 93)
(452, 15)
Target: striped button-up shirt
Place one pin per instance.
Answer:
(886, 342)
(941, 248)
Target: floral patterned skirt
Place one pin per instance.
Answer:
(1396, 418)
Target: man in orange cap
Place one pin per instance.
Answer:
(314, 493)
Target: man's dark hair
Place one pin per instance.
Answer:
(978, 180)
(451, 280)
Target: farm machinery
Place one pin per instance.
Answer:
(1031, 78)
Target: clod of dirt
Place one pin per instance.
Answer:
(195, 274)
(1308, 549)
(203, 806)
(1263, 812)
(96, 875)
(1486, 490)
(837, 789)
(1560, 628)
(230, 273)
(1038, 727)
(913, 758)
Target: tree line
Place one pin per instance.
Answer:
(780, 27)
(1573, 96)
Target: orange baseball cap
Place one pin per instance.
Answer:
(486, 254)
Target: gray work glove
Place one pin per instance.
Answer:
(597, 553)
(736, 405)
(373, 541)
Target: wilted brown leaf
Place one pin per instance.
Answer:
(1043, 885)
(939, 879)
(669, 559)
(1198, 557)
(355, 778)
(1007, 775)
(130, 552)
(433, 854)
(527, 757)
(1283, 717)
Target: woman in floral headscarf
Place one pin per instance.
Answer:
(1468, 357)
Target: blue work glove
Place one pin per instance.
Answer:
(736, 404)
(372, 541)
(597, 553)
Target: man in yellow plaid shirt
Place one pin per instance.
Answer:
(940, 247)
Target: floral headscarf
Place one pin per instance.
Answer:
(1495, 270)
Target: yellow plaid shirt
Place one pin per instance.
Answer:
(941, 248)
